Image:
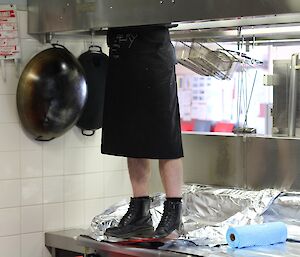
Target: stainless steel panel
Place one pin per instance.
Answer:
(240, 161)
(281, 98)
(208, 159)
(272, 162)
(71, 15)
(214, 160)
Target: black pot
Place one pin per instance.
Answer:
(51, 93)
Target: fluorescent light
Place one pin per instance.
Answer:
(273, 30)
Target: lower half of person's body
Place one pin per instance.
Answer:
(137, 221)
(171, 173)
(141, 122)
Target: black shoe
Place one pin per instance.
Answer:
(137, 222)
(170, 221)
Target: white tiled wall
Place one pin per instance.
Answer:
(49, 186)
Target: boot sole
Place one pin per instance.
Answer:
(175, 234)
(142, 233)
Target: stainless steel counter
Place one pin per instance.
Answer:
(71, 240)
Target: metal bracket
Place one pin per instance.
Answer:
(293, 96)
(271, 80)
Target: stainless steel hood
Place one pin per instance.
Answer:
(85, 15)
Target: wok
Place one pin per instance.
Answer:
(51, 93)
(95, 64)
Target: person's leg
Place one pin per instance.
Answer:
(137, 221)
(139, 173)
(171, 172)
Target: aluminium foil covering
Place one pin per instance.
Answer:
(209, 211)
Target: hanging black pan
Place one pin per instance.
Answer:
(94, 63)
(51, 93)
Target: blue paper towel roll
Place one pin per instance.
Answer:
(256, 235)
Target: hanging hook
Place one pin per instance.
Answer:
(93, 46)
(239, 31)
(253, 42)
(3, 70)
(48, 37)
(92, 36)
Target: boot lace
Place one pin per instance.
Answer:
(129, 214)
(168, 216)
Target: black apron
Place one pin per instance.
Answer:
(141, 113)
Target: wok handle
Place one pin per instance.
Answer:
(95, 46)
(92, 132)
(58, 46)
(40, 138)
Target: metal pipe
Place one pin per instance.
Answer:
(293, 97)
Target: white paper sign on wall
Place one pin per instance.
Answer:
(9, 34)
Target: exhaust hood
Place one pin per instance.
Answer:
(86, 15)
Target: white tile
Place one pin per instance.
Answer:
(28, 143)
(74, 214)
(74, 138)
(9, 221)
(92, 185)
(29, 48)
(113, 163)
(8, 107)
(32, 244)
(22, 22)
(10, 85)
(10, 165)
(9, 137)
(114, 183)
(74, 187)
(54, 189)
(124, 164)
(94, 140)
(101, 184)
(32, 219)
(31, 164)
(53, 161)
(53, 217)
(127, 189)
(74, 161)
(10, 246)
(32, 191)
(10, 193)
(93, 159)
(92, 208)
(55, 144)
(74, 46)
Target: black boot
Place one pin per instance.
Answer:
(171, 219)
(137, 222)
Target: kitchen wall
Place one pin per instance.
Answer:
(49, 186)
